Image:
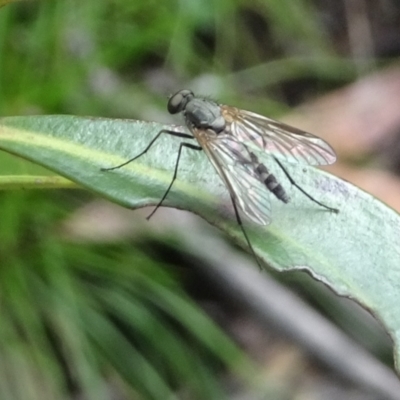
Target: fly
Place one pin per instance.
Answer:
(234, 140)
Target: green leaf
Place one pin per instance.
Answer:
(356, 252)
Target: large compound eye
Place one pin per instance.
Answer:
(178, 101)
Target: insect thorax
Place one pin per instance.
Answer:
(204, 114)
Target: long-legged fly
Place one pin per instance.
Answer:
(235, 142)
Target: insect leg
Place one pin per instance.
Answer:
(181, 146)
(172, 133)
(240, 223)
(335, 210)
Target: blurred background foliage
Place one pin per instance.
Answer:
(94, 304)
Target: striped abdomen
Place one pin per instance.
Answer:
(269, 180)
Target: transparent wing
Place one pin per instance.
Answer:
(283, 141)
(232, 162)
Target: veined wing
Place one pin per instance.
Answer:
(232, 162)
(281, 140)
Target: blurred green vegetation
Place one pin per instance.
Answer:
(94, 319)
(95, 58)
(76, 317)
